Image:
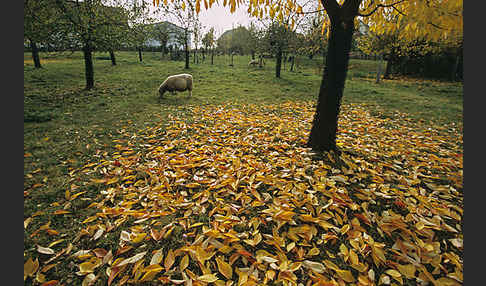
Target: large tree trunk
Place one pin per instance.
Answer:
(388, 68)
(379, 72)
(278, 65)
(324, 127)
(112, 57)
(212, 56)
(140, 54)
(35, 54)
(88, 66)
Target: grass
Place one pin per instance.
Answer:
(65, 126)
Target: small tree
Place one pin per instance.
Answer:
(208, 43)
(87, 18)
(184, 15)
(140, 30)
(42, 22)
(160, 32)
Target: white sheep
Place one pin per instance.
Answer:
(178, 82)
(253, 63)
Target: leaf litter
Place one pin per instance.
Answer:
(230, 196)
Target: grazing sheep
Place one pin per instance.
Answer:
(253, 63)
(178, 82)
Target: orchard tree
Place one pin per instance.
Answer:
(41, 24)
(111, 37)
(431, 19)
(160, 32)
(140, 30)
(183, 13)
(88, 18)
(208, 42)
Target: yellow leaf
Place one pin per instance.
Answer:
(60, 212)
(393, 273)
(353, 257)
(314, 266)
(184, 263)
(39, 277)
(76, 195)
(208, 278)
(27, 221)
(407, 270)
(132, 259)
(150, 275)
(88, 280)
(419, 225)
(224, 268)
(157, 258)
(346, 275)
(139, 237)
(169, 260)
(30, 267)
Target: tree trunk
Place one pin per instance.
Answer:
(187, 56)
(278, 65)
(453, 75)
(379, 72)
(388, 69)
(112, 57)
(212, 56)
(324, 127)
(35, 54)
(252, 55)
(293, 62)
(88, 66)
(140, 54)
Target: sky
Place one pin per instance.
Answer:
(221, 19)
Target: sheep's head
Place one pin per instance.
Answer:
(161, 90)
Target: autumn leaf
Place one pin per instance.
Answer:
(30, 267)
(224, 268)
(208, 278)
(169, 259)
(45, 250)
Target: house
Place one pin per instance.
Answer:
(174, 36)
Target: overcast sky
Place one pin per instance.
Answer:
(221, 19)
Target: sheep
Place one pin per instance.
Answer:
(253, 63)
(178, 82)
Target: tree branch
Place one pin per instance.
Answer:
(380, 6)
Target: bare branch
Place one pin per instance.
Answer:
(380, 6)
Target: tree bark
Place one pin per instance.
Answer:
(112, 57)
(212, 56)
(293, 62)
(140, 54)
(388, 69)
(379, 72)
(187, 55)
(324, 127)
(278, 65)
(455, 65)
(35, 54)
(88, 66)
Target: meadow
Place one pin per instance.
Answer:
(71, 135)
